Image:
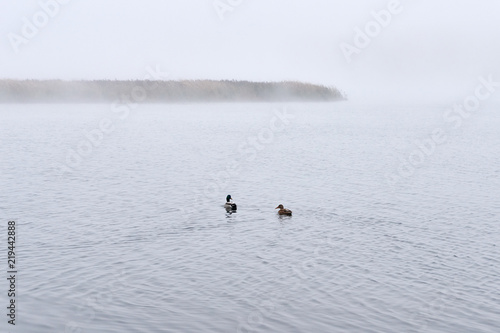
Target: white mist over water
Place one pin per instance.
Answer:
(395, 225)
(125, 242)
(432, 51)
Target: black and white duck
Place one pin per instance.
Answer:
(230, 205)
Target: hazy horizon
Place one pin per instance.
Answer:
(428, 51)
(149, 204)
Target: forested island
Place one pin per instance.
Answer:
(149, 91)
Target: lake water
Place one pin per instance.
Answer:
(126, 231)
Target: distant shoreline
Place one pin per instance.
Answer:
(145, 91)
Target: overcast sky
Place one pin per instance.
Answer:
(430, 49)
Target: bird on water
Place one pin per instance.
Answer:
(230, 205)
(283, 211)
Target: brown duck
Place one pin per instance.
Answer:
(283, 211)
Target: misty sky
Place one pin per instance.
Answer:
(433, 49)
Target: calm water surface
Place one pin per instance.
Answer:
(130, 234)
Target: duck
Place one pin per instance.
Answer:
(283, 211)
(229, 205)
